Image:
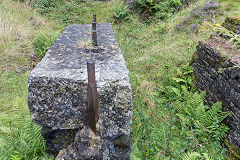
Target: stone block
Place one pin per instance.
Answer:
(222, 86)
(207, 49)
(212, 62)
(235, 97)
(213, 72)
(227, 64)
(235, 84)
(58, 92)
(234, 138)
(235, 72)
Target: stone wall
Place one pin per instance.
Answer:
(217, 71)
(232, 24)
(58, 101)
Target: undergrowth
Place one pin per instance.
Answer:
(121, 13)
(187, 125)
(22, 140)
(170, 120)
(42, 43)
(158, 9)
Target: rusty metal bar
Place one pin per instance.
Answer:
(94, 30)
(94, 18)
(92, 96)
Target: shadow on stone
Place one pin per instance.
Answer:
(57, 140)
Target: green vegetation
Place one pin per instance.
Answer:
(159, 9)
(22, 138)
(42, 43)
(169, 119)
(121, 13)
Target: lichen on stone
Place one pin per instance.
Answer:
(58, 95)
(232, 24)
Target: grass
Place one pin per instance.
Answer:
(19, 25)
(152, 58)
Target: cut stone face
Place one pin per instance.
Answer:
(58, 84)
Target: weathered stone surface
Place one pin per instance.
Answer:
(86, 146)
(232, 24)
(222, 86)
(58, 139)
(235, 97)
(58, 91)
(235, 84)
(219, 77)
(234, 138)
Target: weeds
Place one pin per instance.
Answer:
(121, 13)
(46, 6)
(20, 138)
(159, 9)
(208, 12)
(42, 43)
(186, 123)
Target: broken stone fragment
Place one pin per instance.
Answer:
(86, 145)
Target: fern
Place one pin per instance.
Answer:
(190, 156)
(207, 157)
(23, 139)
(205, 121)
(195, 155)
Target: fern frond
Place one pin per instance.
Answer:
(207, 157)
(190, 156)
(23, 138)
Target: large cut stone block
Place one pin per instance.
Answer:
(58, 87)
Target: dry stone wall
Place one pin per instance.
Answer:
(216, 64)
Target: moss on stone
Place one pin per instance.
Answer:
(233, 150)
(194, 58)
(231, 23)
(64, 144)
(60, 139)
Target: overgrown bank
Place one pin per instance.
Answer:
(165, 123)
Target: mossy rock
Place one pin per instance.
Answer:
(57, 140)
(232, 24)
(233, 150)
(194, 59)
